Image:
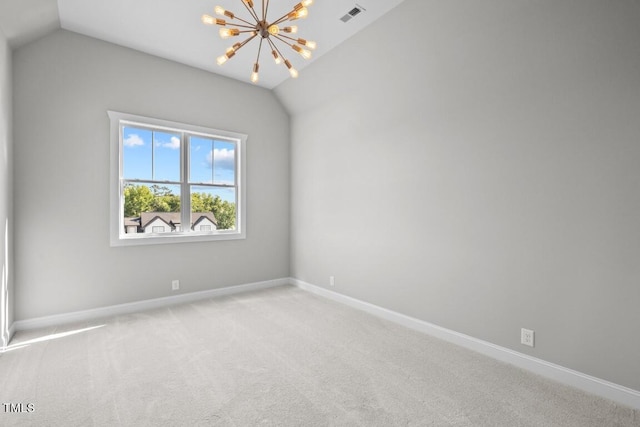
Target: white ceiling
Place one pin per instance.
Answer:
(172, 29)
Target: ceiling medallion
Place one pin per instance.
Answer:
(267, 32)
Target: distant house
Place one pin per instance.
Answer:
(204, 222)
(167, 222)
(131, 225)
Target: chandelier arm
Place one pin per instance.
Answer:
(285, 61)
(277, 50)
(282, 40)
(266, 10)
(259, 49)
(251, 27)
(283, 18)
(244, 42)
(274, 47)
(271, 43)
(290, 38)
(243, 20)
(251, 11)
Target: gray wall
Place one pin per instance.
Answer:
(6, 205)
(63, 86)
(475, 165)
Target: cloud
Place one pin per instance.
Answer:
(174, 144)
(133, 140)
(222, 159)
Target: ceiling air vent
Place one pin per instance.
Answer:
(352, 13)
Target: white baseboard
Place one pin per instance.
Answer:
(133, 307)
(597, 386)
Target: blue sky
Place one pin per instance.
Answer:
(154, 155)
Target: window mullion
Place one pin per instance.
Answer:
(153, 151)
(185, 190)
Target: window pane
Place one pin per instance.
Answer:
(224, 163)
(166, 156)
(212, 161)
(136, 153)
(200, 160)
(147, 207)
(221, 202)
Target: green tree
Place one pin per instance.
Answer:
(164, 200)
(137, 199)
(141, 198)
(201, 202)
(156, 198)
(225, 212)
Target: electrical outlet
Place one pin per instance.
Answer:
(526, 337)
(332, 281)
(175, 285)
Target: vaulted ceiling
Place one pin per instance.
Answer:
(172, 29)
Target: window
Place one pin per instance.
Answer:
(173, 182)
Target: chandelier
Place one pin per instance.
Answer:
(267, 32)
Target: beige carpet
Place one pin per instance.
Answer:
(276, 357)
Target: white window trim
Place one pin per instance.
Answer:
(118, 237)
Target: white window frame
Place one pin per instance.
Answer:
(118, 236)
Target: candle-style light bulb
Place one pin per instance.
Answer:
(308, 43)
(225, 33)
(303, 12)
(292, 71)
(276, 57)
(230, 52)
(210, 20)
(254, 75)
(219, 10)
(303, 52)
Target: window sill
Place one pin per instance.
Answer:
(140, 240)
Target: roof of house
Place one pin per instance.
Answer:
(148, 219)
(131, 222)
(201, 217)
(168, 217)
(173, 217)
